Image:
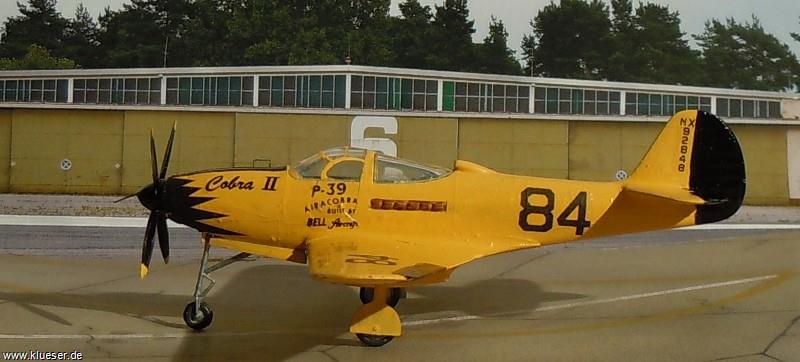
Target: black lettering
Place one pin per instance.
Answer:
(528, 209)
(579, 202)
(580, 223)
(213, 183)
(271, 183)
(219, 182)
(315, 189)
(338, 223)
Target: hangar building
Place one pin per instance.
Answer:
(86, 131)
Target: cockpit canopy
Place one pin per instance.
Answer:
(346, 163)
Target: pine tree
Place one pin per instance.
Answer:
(39, 24)
(494, 56)
(744, 56)
(571, 40)
(451, 38)
(80, 39)
(411, 42)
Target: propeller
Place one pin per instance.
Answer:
(153, 197)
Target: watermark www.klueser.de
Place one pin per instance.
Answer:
(36, 355)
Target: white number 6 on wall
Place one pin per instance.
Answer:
(359, 127)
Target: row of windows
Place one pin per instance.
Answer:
(370, 92)
(553, 100)
(747, 108)
(117, 91)
(34, 90)
(367, 92)
(484, 97)
(648, 104)
(307, 91)
(210, 91)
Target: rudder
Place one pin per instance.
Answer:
(695, 152)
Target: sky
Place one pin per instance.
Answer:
(779, 17)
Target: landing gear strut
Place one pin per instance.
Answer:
(198, 314)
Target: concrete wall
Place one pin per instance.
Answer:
(203, 140)
(110, 154)
(765, 159)
(598, 150)
(525, 147)
(5, 147)
(90, 140)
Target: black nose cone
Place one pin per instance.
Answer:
(147, 196)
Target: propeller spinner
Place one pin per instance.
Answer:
(153, 197)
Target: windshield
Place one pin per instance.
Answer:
(311, 167)
(390, 169)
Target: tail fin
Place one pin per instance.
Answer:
(696, 160)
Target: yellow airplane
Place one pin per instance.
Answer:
(363, 218)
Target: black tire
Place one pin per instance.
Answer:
(371, 340)
(366, 295)
(206, 315)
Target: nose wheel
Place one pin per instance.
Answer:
(198, 318)
(197, 314)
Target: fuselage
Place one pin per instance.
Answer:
(472, 204)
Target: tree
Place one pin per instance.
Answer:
(650, 47)
(369, 41)
(571, 39)
(624, 39)
(37, 57)
(451, 38)
(494, 56)
(744, 56)
(141, 33)
(39, 23)
(412, 31)
(208, 34)
(80, 39)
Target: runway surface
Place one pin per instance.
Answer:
(699, 295)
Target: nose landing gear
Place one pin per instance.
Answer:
(198, 314)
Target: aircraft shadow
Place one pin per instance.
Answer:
(274, 312)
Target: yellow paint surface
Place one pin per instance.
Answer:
(765, 160)
(524, 147)
(203, 140)
(37, 140)
(5, 147)
(90, 140)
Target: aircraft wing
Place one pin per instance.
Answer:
(370, 260)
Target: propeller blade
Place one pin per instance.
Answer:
(163, 237)
(126, 197)
(153, 160)
(147, 246)
(167, 153)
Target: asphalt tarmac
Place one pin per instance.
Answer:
(705, 295)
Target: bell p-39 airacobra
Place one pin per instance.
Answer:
(363, 218)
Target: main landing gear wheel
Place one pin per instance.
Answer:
(366, 295)
(371, 340)
(198, 319)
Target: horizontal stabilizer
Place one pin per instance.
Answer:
(669, 192)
